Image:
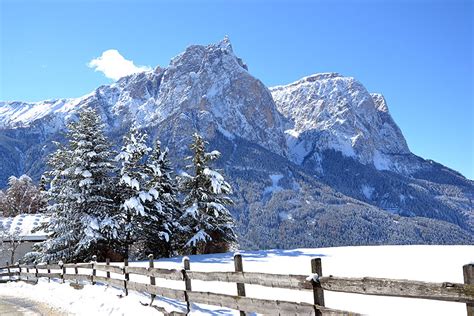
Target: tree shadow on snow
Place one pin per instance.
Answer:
(223, 258)
(207, 311)
(201, 308)
(177, 305)
(257, 255)
(212, 311)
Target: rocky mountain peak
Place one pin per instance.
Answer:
(380, 102)
(196, 57)
(210, 84)
(331, 111)
(307, 79)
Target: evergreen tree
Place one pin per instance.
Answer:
(83, 217)
(206, 220)
(62, 227)
(148, 197)
(132, 182)
(43, 200)
(161, 236)
(42, 184)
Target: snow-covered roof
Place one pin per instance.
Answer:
(21, 226)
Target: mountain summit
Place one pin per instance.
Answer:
(318, 162)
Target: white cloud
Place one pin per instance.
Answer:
(114, 66)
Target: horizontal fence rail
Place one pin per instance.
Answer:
(315, 283)
(287, 281)
(449, 292)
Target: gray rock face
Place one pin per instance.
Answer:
(211, 83)
(329, 111)
(319, 162)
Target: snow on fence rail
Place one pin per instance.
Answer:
(447, 291)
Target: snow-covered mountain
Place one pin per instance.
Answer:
(206, 85)
(330, 112)
(344, 116)
(316, 162)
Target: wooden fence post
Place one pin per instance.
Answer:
(36, 272)
(8, 270)
(187, 282)
(19, 272)
(94, 262)
(468, 271)
(152, 279)
(107, 262)
(49, 271)
(318, 293)
(27, 271)
(63, 260)
(127, 275)
(239, 267)
(76, 271)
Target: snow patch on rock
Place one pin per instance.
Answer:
(368, 191)
(274, 187)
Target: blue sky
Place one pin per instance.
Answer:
(419, 54)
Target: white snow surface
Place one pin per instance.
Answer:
(92, 300)
(423, 263)
(199, 236)
(217, 180)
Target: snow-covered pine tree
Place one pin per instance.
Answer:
(42, 186)
(132, 180)
(84, 219)
(62, 226)
(161, 236)
(206, 220)
(147, 220)
(92, 174)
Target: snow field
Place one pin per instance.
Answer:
(423, 263)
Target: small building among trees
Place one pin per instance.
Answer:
(18, 235)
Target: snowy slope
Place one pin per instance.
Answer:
(423, 263)
(18, 114)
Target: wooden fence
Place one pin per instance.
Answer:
(315, 283)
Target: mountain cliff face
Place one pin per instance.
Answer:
(333, 118)
(318, 162)
(329, 111)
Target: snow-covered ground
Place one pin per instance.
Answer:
(424, 263)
